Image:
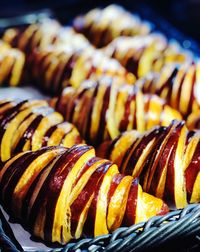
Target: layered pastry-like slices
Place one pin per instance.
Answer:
(146, 53)
(178, 85)
(68, 66)
(62, 193)
(41, 35)
(101, 26)
(167, 160)
(12, 63)
(30, 125)
(104, 108)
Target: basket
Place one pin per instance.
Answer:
(176, 231)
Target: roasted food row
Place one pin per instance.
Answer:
(12, 63)
(179, 86)
(146, 53)
(30, 125)
(66, 66)
(41, 35)
(59, 57)
(167, 160)
(62, 193)
(104, 108)
(101, 26)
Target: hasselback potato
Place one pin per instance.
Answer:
(12, 63)
(101, 26)
(178, 85)
(167, 160)
(61, 193)
(104, 108)
(30, 125)
(41, 35)
(60, 67)
(122, 93)
(143, 54)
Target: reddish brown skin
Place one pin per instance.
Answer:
(52, 186)
(85, 168)
(169, 192)
(102, 122)
(115, 182)
(132, 66)
(28, 46)
(192, 171)
(176, 106)
(168, 83)
(41, 197)
(130, 212)
(105, 149)
(129, 150)
(124, 122)
(40, 67)
(82, 120)
(89, 116)
(30, 192)
(11, 170)
(8, 115)
(55, 84)
(28, 134)
(17, 172)
(68, 68)
(90, 222)
(51, 85)
(191, 95)
(48, 135)
(151, 159)
(55, 186)
(82, 199)
(106, 38)
(160, 162)
(71, 106)
(140, 147)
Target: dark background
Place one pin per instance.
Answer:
(183, 14)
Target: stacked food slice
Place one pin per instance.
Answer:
(101, 26)
(167, 160)
(104, 108)
(123, 99)
(30, 125)
(12, 63)
(61, 193)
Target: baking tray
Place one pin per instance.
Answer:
(177, 231)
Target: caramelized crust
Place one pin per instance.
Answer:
(12, 63)
(101, 26)
(62, 193)
(179, 86)
(103, 109)
(165, 158)
(30, 125)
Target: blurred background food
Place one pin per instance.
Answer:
(183, 14)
